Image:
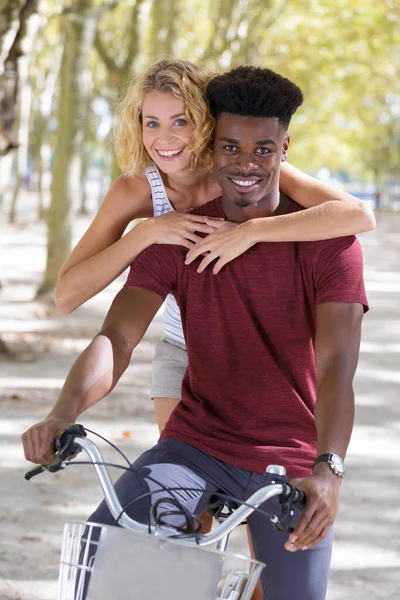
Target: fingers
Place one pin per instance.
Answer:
(186, 244)
(318, 527)
(219, 245)
(192, 237)
(26, 444)
(38, 445)
(46, 451)
(201, 228)
(206, 261)
(316, 533)
(312, 527)
(214, 222)
(219, 264)
(295, 541)
(199, 249)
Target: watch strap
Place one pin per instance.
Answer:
(329, 459)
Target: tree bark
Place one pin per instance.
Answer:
(59, 217)
(10, 77)
(25, 104)
(10, 12)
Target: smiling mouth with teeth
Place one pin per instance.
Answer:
(170, 153)
(245, 183)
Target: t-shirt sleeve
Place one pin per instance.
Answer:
(338, 272)
(154, 270)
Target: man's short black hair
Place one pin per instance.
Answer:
(254, 92)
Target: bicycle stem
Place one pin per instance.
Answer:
(222, 530)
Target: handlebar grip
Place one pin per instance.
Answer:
(64, 441)
(293, 495)
(64, 447)
(33, 472)
(299, 498)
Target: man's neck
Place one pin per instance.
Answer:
(271, 205)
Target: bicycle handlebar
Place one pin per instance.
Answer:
(73, 439)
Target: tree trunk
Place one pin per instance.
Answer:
(163, 18)
(85, 98)
(13, 16)
(59, 218)
(41, 211)
(84, 170)
(25, 103)
(17, 188)
(6, 164)
(9, 80)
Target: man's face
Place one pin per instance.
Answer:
(247, 156)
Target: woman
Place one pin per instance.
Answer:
(163, 145)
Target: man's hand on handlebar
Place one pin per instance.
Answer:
(38, 440)
(322, 491)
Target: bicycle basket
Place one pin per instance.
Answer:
(101, 562)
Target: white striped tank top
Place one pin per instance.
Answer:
(171, 316)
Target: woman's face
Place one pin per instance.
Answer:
(166, 131)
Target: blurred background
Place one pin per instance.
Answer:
(63, 67)
(64, 64)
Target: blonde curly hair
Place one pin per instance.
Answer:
(186, 81)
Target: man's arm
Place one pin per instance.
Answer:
(97, 370)
(337, 346)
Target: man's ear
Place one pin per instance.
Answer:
(285, 148)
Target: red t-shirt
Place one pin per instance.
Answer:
(249, 392)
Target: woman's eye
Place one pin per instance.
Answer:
(230, 148)
(152, 124)
(262, 151)
(180, 122)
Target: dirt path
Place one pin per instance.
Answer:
(366, 562)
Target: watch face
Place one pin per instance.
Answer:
(337, 463)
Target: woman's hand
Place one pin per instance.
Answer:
(229, 242)
(181, 228)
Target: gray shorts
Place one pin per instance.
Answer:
(169, 366)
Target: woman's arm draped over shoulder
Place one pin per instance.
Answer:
(331, 212)
(102, 254)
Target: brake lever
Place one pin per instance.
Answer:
(288, 499)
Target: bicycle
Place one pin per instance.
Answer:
(94, 557)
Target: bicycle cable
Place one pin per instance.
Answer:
(111, 444)
(115, 447)
(193, 523)
(186, 532)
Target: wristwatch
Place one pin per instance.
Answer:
(334, 461)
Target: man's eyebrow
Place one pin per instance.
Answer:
(259, 143)
(266, 142)
(172, 117)
(229, 140)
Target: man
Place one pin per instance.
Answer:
(272, 346)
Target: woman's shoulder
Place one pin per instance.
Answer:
(132, 194)
(136, 184)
